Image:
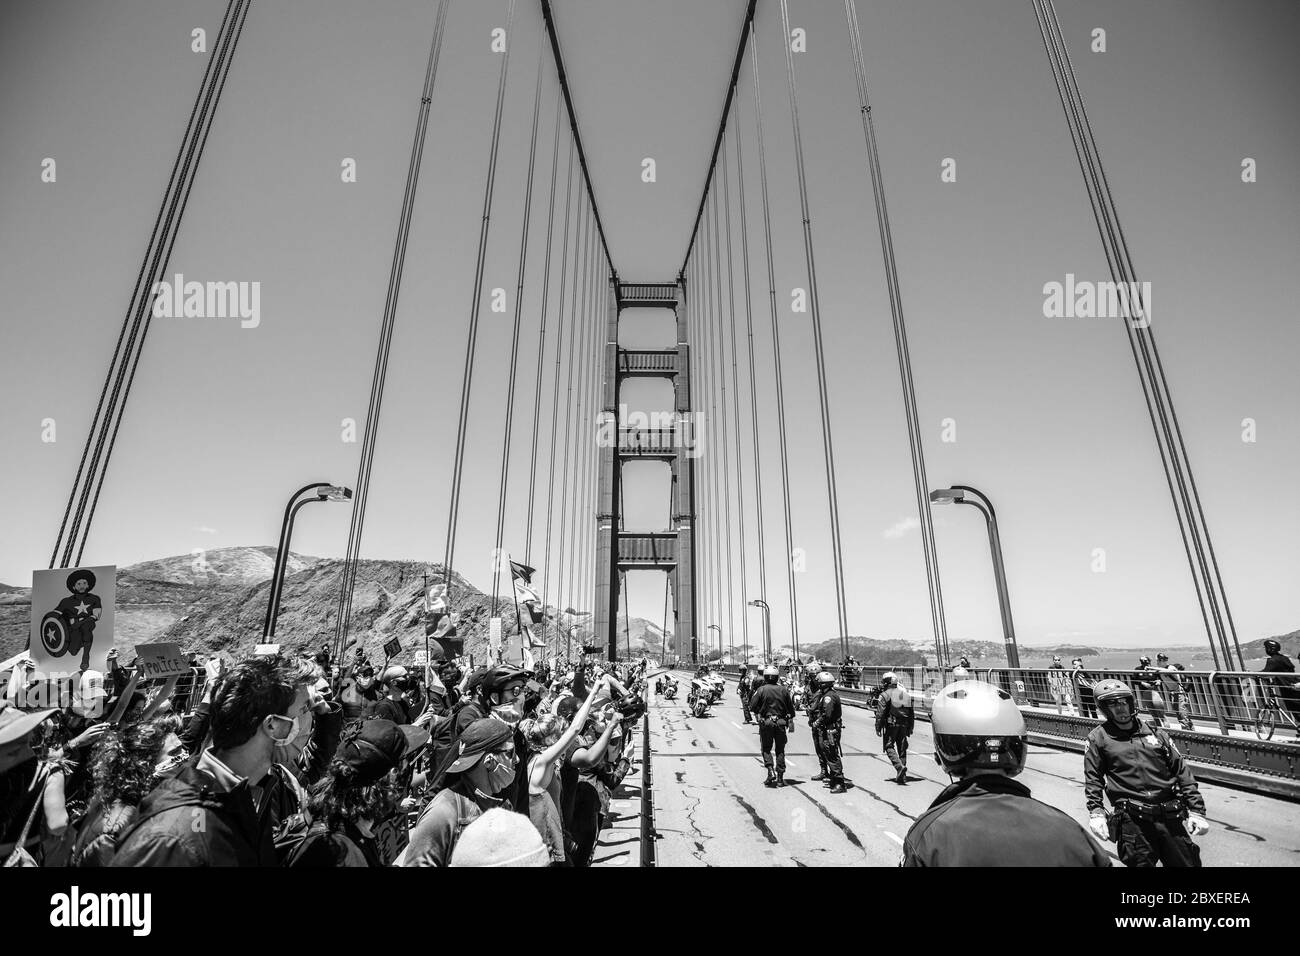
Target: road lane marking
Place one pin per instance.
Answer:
(895, 837)
(736, 725)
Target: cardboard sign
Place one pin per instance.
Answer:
(266, 650)
(494, 634)
(73, 612)
(421, 658)
(393, 648)
(161, 660)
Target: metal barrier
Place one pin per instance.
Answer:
(647, 807)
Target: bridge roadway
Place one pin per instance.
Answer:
(711, 808)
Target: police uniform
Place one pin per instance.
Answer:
(774, 707)
(894, 722)
(1151, 789)
(746, 690)
(991, 820)
(826, 717)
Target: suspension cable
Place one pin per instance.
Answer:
(914, 440)
(832, 495)
(555, 391)
(347, 576)
(579, 337)
(752, 369)
(514, 337)
(541, 341)
(735, 408)
(720, 368)
(1174, 460)
(138, 318)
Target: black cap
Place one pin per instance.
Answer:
(81, 574)
(373, 747)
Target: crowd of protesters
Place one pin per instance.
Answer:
(290, 761)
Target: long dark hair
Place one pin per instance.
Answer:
(123, 761)
(337, 798)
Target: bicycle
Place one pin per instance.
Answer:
(1269, 712)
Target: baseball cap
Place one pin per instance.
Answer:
(373, 747)
(480, 737)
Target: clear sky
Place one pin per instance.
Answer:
(224, 422)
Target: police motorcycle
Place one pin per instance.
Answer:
(717, 684)
(666, 687)
(700, 696)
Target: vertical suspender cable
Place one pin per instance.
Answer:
(776, 350)
(541, 341)
(471, 342)
(720, 367)
(138, 317)
(735, 409)
(347, 577)
(555, 393)
(815, 307)
(1141, 342)
(514, 338)
(579, 339)
(914, 440)
(753, 377)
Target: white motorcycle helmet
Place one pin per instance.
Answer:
(888, 679)
(978, 727)
(960, 673)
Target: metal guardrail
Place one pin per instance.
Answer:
(1275, 765)
(647, 807)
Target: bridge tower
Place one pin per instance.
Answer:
(673, 550)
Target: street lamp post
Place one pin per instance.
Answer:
(767, 629)
(714, 627)
(966, 495)
(324, 491)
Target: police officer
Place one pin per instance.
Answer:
(985, 818)
(894, 722)
(746, 690)
(772, 704)
(1150, 788)
(1149, 698)
(826, 717)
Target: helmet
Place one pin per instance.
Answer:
(1272, 647)
(1056, 658)
(395, 675)
(964, 662)
(978, 727)
(1110, 689)
(824, 677)
(960, 673)
(888, 678)
(1143, 661)
(498, 677)
(771, 671)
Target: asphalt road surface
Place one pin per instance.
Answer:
(711, 808)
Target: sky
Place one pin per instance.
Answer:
(224, 421)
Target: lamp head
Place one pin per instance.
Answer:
(946, 496)
(334, 493)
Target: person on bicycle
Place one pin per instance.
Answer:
(1287, 692)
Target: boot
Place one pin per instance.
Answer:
(838, 786)
(820, 776)
(771, 779)
(780, 778)
(901, 776)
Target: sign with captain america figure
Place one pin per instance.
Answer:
(73, 612)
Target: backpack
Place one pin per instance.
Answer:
(20, 856)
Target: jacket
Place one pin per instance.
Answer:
(991, 820)
(435, 833)
(191, 819)
(1138, 764)
(894, 710)
(826, 712)
(772, 700)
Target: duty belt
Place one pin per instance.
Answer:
(1155, 810)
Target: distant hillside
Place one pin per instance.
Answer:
(219, 604)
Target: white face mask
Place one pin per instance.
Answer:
(295, 728)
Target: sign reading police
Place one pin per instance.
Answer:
(161, 660)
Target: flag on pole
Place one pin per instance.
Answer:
(526, 595)
(535, 612)
(528, 663)
(533, 639)
(522, 572)
(432, 604)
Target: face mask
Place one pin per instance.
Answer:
(295, 728)
(500, 772)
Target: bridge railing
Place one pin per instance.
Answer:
(1229, 700)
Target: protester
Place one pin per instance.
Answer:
(500, 838)
(206, 814)
(31, 791)
(475, 773)
(358, 793)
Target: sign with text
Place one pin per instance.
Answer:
(266, 650)
(161, 660)
(393, 647)
(494, 634)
